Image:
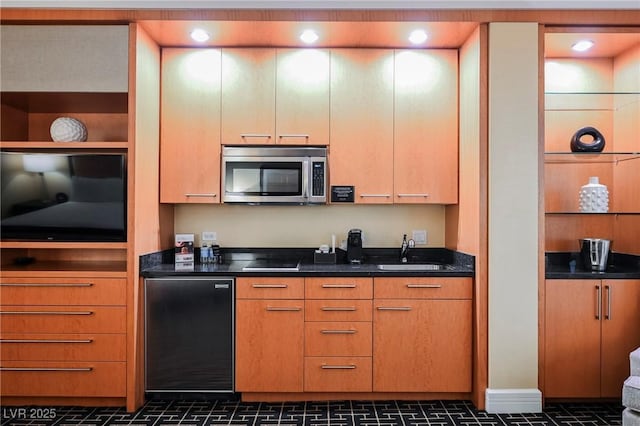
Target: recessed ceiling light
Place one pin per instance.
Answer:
(200, 35)
(309, 36)
(418, 36)
(582, 45)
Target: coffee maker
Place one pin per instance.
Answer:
(354, 246)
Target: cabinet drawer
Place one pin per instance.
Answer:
(337, 310)
(81, 379)
(63, 291)
(63, 347)
(337, 374)
(269, 288)
(337, 339)
(62, 319)
(338, 288)
(422, 288)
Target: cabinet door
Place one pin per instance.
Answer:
(572, 338)
(362, 123)
(620, 332)
(190, 130)
(422, 345)
(248, 96)
(302, 96)
(426, 127)
(269, 345)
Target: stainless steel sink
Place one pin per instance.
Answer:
(410, 267)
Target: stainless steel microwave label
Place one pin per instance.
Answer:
(342, 194)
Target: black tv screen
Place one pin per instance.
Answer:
(51, 196)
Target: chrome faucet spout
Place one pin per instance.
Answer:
(404, 248)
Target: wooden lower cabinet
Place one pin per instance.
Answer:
(337, 374)
(590, 329)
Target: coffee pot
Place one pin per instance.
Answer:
(354, 246)
(594, 253)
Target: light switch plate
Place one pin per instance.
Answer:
(419, 236)
(209, 236)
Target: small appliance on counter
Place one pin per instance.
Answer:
(354, 246)
(594, 253)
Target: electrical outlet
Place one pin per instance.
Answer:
(209, 236)
(419, 236)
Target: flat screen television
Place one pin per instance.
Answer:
(53, 196)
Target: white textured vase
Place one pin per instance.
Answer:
(67, 129)
(594, 197)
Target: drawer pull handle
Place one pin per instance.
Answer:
(338, 286)
(293, 135)
(607, 314)
(338, 331)
(201, 195)
(338, 308)
(414, 195)
(394, 308)
(598, 302)
(424, 286)
(45, 369)
(46, 313)
(269, 286)
(283, 309)
(45, 341)
(338, 367)
(375, 195)
(255, 135)
(47, 285)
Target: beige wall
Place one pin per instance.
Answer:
(309, 226)
(513, 205)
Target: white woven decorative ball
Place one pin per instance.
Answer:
(67, 129)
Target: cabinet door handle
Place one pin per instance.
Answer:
(338, 367)
(283, 309)
(46, 313)
(375, 195)
(393, 308)
(45, 341)
(338, 286)
(607, 314)
(45, 369)
(338, 331)
(293, 135)
(255, 135)
(203, 195)
(598, 302)
(413, 195)
(338, 308)
(47, 285)
(269, 285)
(424, 285)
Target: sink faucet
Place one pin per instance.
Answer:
(404, 249)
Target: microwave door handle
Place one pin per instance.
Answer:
(305, 179)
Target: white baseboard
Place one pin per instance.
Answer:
(512, 401)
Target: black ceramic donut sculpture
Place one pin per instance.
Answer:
(597, 145)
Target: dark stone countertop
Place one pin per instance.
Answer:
(454, 264)
(619, 266)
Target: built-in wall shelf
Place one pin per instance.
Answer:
(63, 245)
(62, 145)
(589, 157)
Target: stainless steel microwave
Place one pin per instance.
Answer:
(274, 174)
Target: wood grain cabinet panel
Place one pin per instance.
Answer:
(269, 288)
(337, 310)
(423, 288)
(339, 338)
(425, 147)
(190, 126)
(362, 123)
(588, 338)
(67, 291)
(337, 374)
(269, 345)
(63, 319)
(338, 288)
(63, 347)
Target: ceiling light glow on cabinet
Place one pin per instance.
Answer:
(200, 35)
(309, 36)
(418, 37)
(582, 45)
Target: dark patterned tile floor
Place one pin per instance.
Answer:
(334, 413)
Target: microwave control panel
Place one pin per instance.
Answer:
(317, 188)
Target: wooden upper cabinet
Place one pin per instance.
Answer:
(425, 152)
(190, 126)
(362, 123)
(302, 96)
(65, 58)
(248, 96)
